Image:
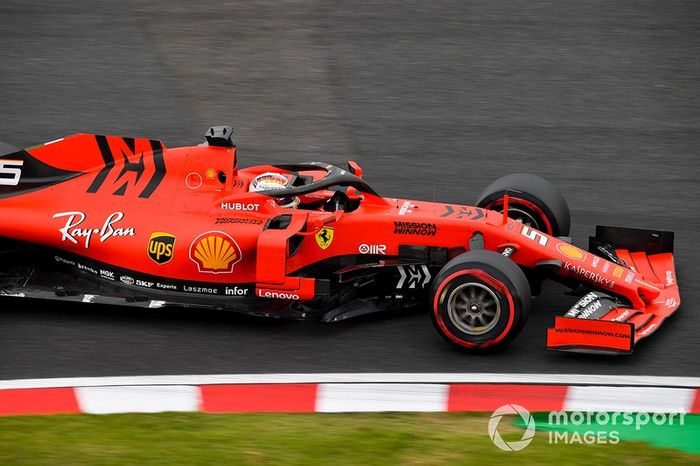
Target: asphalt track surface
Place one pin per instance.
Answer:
(432, 98)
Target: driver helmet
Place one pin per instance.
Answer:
(270, 181)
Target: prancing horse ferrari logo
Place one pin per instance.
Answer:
(324, 238)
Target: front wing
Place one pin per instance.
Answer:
(606, 324)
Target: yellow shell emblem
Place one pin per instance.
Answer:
(215, 252)
(571, 252)
(324, 238)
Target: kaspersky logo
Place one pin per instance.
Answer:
(215, 252)
(161, 247)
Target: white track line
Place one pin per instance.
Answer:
(439, 378)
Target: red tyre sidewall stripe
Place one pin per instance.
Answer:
(491, 281)
(518, 200)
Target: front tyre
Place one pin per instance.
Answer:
(533, 201)
(480, 301)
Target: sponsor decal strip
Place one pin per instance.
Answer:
(369, 392)
(150, 282)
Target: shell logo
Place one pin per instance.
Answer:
(215, 252)
(572, 252)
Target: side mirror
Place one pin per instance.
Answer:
(354, 168)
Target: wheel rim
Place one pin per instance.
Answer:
(474, 308)
(522, 216)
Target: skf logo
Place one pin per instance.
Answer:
(215, 252)
(324, 238)
(161, 247)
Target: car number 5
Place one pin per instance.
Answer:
(13, 168)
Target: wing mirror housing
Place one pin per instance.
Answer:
(354, 168)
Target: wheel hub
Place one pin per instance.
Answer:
(523, 217)
(474, 308)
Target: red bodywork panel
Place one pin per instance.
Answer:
(187, 214)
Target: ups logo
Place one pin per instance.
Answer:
(161, 247)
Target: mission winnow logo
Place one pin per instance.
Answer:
(415, 228)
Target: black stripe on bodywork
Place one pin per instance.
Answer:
(137, 167)
(159, 174)
(108, 161)
(36, 175)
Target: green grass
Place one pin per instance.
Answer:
(685, 436)
(308, 439)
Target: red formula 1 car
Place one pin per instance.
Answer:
(116, 220)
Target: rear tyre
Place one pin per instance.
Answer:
(480, 301)
(532, 200)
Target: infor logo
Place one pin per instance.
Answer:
(506, 410)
